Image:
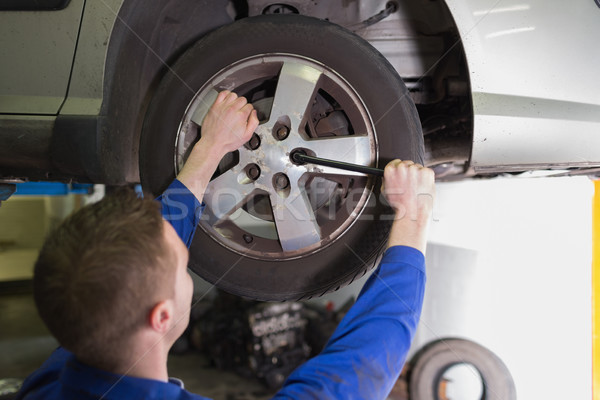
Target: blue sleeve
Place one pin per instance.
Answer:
(182, 209)
(42, 379)
(364, 357)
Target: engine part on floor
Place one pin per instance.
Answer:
(277, 340)
(9, 388)
(260, 340)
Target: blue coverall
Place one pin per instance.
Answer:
(362, 359)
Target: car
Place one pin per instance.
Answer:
(115, 91)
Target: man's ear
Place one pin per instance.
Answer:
(161, 316)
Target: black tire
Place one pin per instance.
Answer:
(430, 364)
(396, 125)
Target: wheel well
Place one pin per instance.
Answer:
(422, 41)
(147, 37)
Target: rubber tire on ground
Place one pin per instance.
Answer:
(429, 364)
(398, 132)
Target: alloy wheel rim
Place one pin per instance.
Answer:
(261, 204)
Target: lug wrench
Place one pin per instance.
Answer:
(299, 157)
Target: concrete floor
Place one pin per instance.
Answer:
(25, 344)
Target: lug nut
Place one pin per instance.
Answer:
(253, 171)
(254, 142)
(281, 181)
(293, 154)
(282, 132)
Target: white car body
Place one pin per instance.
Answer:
(534, 81)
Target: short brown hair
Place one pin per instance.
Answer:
(100, 273)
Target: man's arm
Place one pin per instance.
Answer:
(365, 355)
(409, 189)
(229, 123)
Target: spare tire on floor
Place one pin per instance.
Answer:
(428, 367)
(293, 231)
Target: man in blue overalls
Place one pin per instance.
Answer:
(111, 284)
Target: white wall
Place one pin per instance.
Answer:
(509, 266)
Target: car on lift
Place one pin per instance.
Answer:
(115, 91)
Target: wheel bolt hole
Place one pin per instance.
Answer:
(281, 129)
(252, 171)
(254, 142)
(281, 184)
(282, 132)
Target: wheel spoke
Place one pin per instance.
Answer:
(295, 221)
(295, 92)
(225, 194)
(203, 107)
(351, 149)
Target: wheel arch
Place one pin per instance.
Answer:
(146, 39)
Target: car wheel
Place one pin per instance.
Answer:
(274, 230)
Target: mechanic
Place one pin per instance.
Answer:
(111, 284)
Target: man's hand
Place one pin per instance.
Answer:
(229, 123)
(409, 189)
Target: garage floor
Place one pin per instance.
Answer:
(25, 343)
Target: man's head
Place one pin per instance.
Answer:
(108, 272)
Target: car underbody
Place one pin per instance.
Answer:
(421, 41)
